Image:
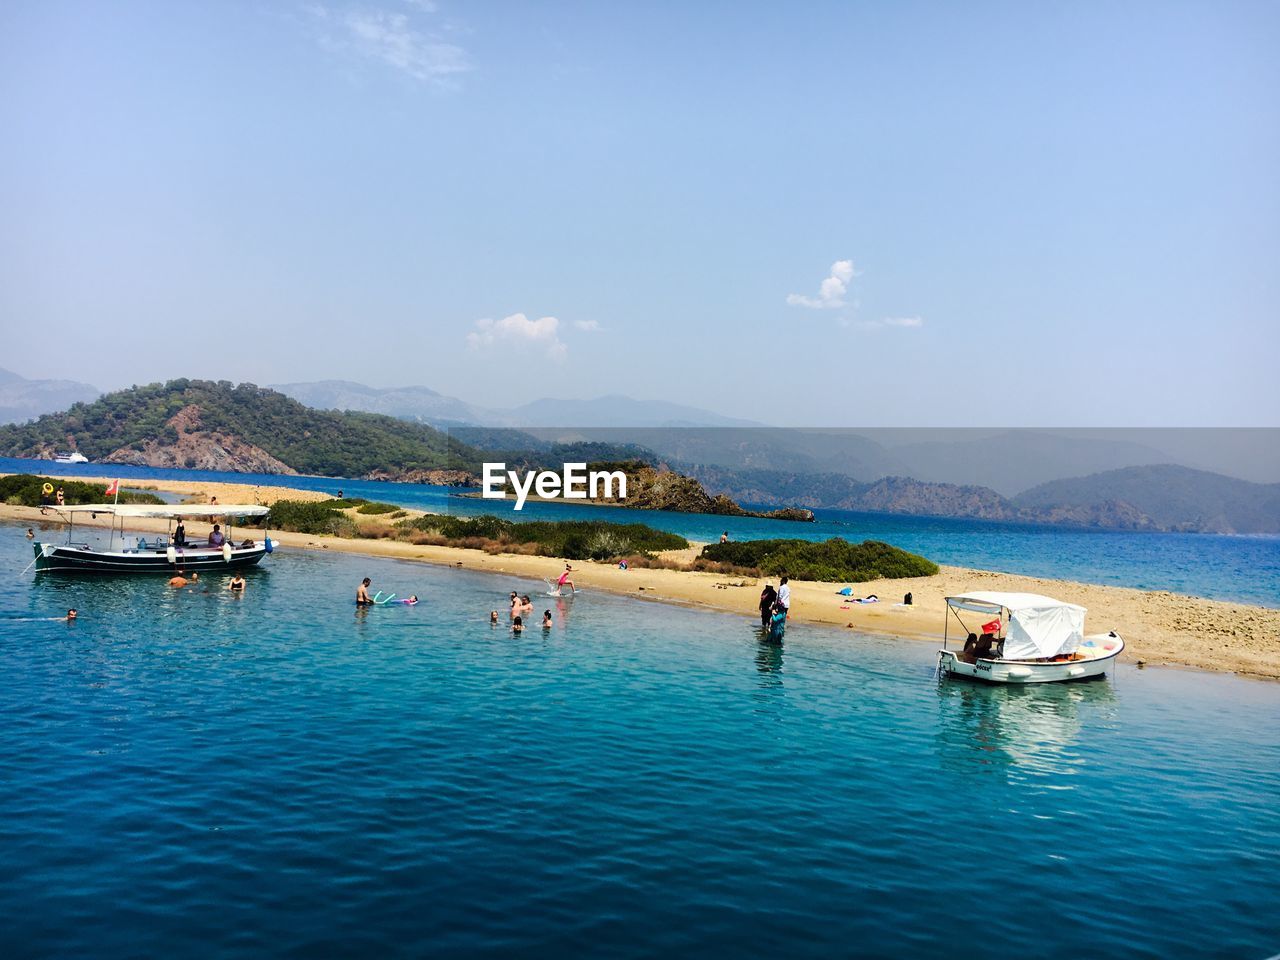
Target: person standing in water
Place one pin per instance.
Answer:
(564, 579)
(362, 594)
(768, 596)
(237, 583)
(517, 625)
(546, 619)
(784, 594)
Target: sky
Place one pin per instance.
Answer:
(847, 214)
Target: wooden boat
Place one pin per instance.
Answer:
(151, 553)
(1026, 638)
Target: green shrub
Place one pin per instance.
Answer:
(302, 516)
(374, 509)
(26, 489)
(574, 539)
(828, 561)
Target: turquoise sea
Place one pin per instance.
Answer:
(199, 774)
(1245, 569)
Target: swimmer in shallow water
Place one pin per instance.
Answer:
(493, 618)
(181, 580)
(237, 582)
(71, 614)
(362, 594)
(546, 620)
(517, 625)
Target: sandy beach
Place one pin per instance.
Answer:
(1159, 627)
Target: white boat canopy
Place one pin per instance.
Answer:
(1039, 626)
(169, 511)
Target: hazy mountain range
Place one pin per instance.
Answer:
(428, 406)
(206, 425)
(22, 399)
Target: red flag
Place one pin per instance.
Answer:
(992, 627)
(114, 489)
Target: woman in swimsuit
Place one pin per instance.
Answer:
(564, 579)
(237, 582)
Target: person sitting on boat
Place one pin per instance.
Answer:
(970, 643)
(216, 539)
(180, 535)
(982, 651)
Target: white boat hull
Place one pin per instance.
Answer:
(1100, 652)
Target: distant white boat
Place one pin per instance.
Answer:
(1031, 639)
(75, 456)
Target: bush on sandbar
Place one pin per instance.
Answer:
(827, 561)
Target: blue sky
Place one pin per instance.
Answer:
(1025, 214)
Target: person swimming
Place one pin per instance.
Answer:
(493, 618)
(517, 625)
(181, 580)
(546, 620)
(71, 614)
(362, 594)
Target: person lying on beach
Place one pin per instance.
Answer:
(362, 594)
(517, 625)
(546, 620)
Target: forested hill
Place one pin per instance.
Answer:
(199, 424)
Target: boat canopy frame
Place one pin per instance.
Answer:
(1034, 626)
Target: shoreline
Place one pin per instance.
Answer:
(1159, 627)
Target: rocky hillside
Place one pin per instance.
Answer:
(658, 488)
(198, 424)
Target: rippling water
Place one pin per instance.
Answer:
(1245, 569)
(195, 774)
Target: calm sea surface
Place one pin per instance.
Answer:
(1245, 569)
(197, 774)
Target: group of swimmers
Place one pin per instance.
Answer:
(520, 606)
(180, 580)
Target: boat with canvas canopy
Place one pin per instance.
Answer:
(1025, 638)
(152, 553)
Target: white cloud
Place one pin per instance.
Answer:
(831, 291)
(590, 326)
(519, 329)
(393, 38)
(911, 322)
